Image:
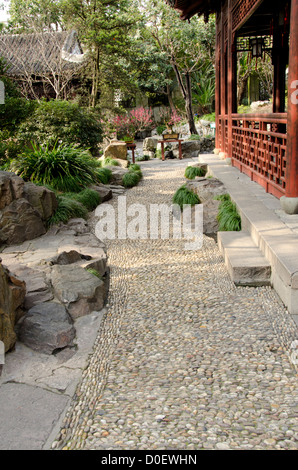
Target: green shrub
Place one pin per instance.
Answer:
(62, 121)
(14, 112)
(67, 209)
(228, 217)
(64, 168)
(185, 196)
(130, 179)
(11, 89)
(103, 175)
(88, 197)
(9, 148)
(192, 171)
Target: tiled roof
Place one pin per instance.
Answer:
(40, 53)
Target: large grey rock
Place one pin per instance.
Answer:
(37, 289)
(19, 222)
(12, 295)
(104, 191)
(210, 212)
(46, 328)
(11, 188)
(80, 291)
(190, 148)
(150, 144)
(42, 199)
(207, 188)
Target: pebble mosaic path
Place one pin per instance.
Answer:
(184, 359)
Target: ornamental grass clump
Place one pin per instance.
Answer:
(192, 171)
(88, 197)
(64, 168)
(185, 196)
(135, 167)
(110, 161)
(103, 175)
(228, 217)
(67, 209)
(130, 179)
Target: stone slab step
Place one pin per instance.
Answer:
(246, 264)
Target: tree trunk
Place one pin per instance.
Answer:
(95, 80)
(186, 93)
(188, 105)
(170, 99)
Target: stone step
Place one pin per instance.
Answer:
(246, 264)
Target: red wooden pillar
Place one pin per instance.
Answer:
(217, 81)
(231, 80)
(290, 201)
(223, 80)
(280, 60)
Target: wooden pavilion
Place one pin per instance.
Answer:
(264, 146)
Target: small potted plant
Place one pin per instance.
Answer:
(170, 119)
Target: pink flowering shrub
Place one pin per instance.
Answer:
(127, 125)
(170, 118)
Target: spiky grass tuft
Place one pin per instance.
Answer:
(103, 175)
(88, 197)
(185, 196)
(228, 217)
(64, 168)
(67, 209)
(192, 171)
(131, 179)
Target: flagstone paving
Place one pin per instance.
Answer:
(184, 359)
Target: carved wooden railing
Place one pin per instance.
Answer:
(259, 144)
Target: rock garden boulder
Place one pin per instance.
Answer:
(150, 146)
(12, 295)
(46, 328)
(117, 174)
(66, 278)
(11, 188)
(19, 221)
(190, 148)
(80, 291)
(42, 199)
(104, 191)
(116, 149)
(24, 209)
(207, 189)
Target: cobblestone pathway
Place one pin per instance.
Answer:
(184, 359)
